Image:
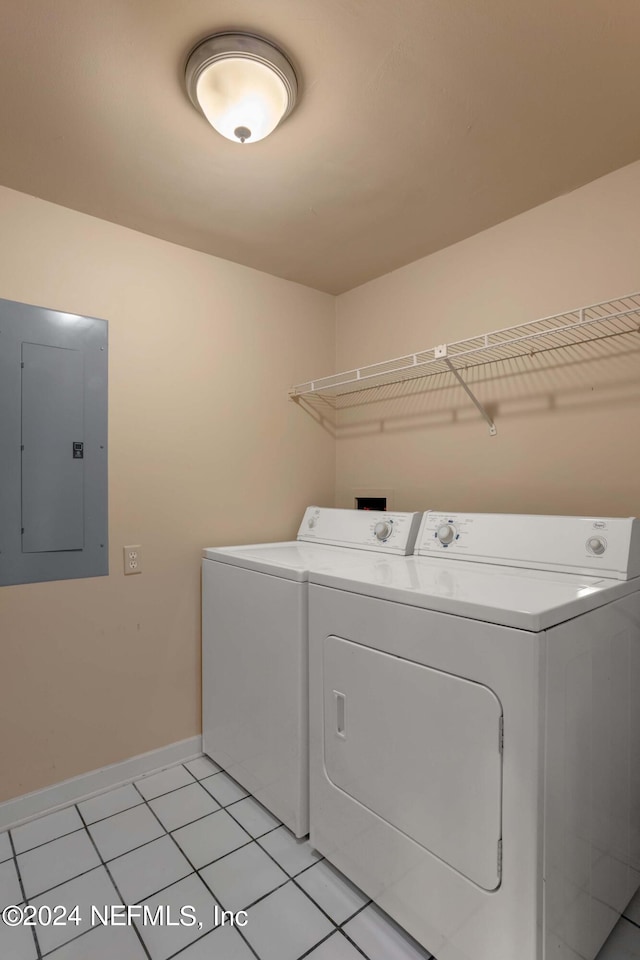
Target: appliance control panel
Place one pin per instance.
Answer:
(595, 546)
(385, 532)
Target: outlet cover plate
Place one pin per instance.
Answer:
(132, 557)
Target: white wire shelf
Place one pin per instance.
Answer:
(583, 325)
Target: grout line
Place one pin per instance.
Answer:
(196, 819)
(349, 938)
(305, 869)
(14, 857)
(224, 855)
(427, 954)
(255, 839)
(315, 945)
(234, 803)
(217, 859)
(337, 927)
(317, 905)
(179, 953)
(105, 864)
(137, 932)
(258, 899)
(206, 886)
(83, 873)
(66, 805)
(148, 844)
(132, 783)
(143, 800)
(185, 767)
(188, 822)
(265, 895)
(251, 840)
(245, 795)
(238, 930)
(290, 878)
(23, 891)
(165, 793)
(61, 946)
(52, 840)
(78, 935)
(87, 827)
(109, 815)
(355, 913)
(358, 948)
(169, 833)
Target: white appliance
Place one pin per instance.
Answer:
(255, 648)
(475, 732)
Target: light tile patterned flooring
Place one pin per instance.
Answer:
(192, 835)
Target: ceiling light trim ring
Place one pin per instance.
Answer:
(248, 46)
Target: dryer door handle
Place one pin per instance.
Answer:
(341, 714)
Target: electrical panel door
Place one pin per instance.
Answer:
(53, 445)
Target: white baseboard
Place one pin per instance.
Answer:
(30, 805)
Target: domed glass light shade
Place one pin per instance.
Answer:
(242, 84)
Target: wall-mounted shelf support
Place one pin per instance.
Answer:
(574, 328)
(472, 397)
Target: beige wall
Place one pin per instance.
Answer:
(568, 424)
(205, 448)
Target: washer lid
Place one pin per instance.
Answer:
(292, 560)
(512, 597)
(288, 559)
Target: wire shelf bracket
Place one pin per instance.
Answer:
(469, 392)
(610, 318)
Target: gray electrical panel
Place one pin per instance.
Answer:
(53, 445)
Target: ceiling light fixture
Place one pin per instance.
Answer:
(242, 84)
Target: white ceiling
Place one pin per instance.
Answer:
(421, 121)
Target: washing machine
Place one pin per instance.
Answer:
(255, 648)
(475, 732)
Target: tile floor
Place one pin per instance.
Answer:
(192, 835)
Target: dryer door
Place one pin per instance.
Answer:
(421, 749)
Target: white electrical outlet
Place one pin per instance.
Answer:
(132, 559)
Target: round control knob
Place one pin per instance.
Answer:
(383, 530)
(311, 522)
(596, 545)
(446, 533)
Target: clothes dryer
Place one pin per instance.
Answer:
(475, 732)
(255, 648)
